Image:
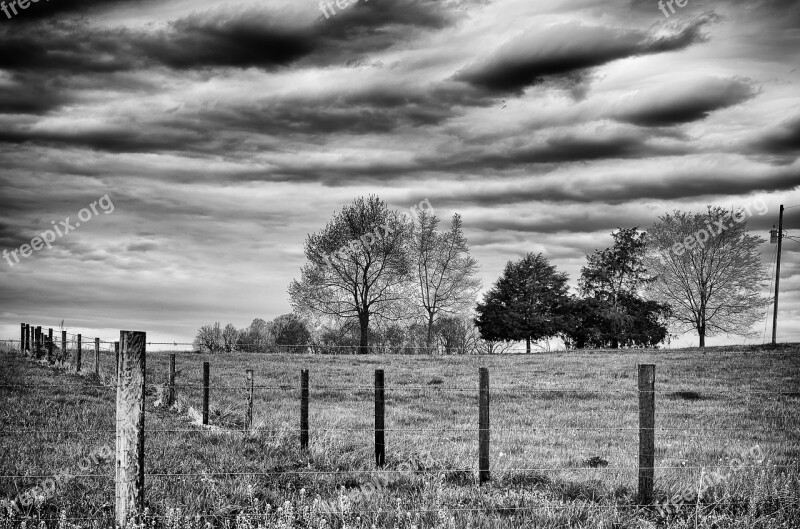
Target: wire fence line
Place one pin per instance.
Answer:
(322, 347)
(306, 393)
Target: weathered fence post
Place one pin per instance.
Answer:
(97, 356)
(22, 338)
(171, 381)
(38, 340)
(63, 347)
(78, 356)
(130, 427)
(29, 340)
(647, 439)
(27, 337)
(483, 426)
(50, 346)
(206, 379)
(248, 416)
(116, 363)
(304, 408)
(380, 409)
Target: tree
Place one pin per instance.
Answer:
(357, 267)
(209, 338)
(613, 314)
(708, 270)
(229, 337)
(617, 270)
(526, 303)
(256, 338)
(458, 335)
(636, 323)
(445, 271)
(290, 332)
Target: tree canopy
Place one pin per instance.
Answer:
(708, 270)
(357, 266)
(526, 303)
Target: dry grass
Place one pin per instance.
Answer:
(564, 439)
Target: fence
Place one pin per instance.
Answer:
(131, 388)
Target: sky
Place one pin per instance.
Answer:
(199, 142)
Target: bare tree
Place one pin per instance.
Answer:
(708, 270)
(445, 272)
(357, 267)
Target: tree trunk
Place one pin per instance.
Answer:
(363, 344)
(702, 330)
(429, 337)
(528, 345)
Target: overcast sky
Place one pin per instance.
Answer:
(224, 132)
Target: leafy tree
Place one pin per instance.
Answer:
(648, 322)
(392, 338)
(289, 332)
(618, 270)
(613, 311)
(445, 272)
(229, 337)
(256, 338)
(209, 338)
(357, 267)
(636, 323)
(458, 335)
(526, 303)
(709, 271)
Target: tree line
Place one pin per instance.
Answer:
(379, 280)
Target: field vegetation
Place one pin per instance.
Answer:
(564, 441)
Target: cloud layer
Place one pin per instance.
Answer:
(226, 132)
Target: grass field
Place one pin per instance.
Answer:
(564, 440)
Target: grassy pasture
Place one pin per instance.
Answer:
(564, 439)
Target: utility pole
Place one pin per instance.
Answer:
(777, 274)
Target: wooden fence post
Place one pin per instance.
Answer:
(116, 363)
(304, 408)
(206, 380)
(647, 423)
(380, 408)
(63, 347)
(171, 381)
(97, 356)
(483, 427)
(22, 338)
(78, 356)
(129, 478)
(248, 416)
(38, 340)
(50, 346)
(27, 338)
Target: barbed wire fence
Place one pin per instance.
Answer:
(130, 477)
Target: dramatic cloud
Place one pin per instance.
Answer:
(225, 132)
(569, 48)
(683, 102)
(783, 139)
